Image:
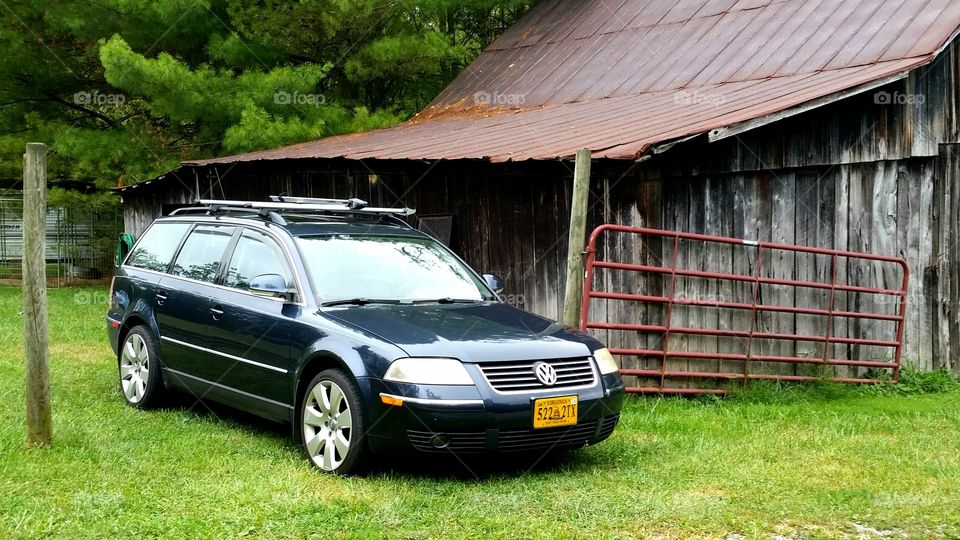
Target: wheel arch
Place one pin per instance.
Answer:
(357, 360)
(132, 321)
(314, 364)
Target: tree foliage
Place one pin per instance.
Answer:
(124, 89)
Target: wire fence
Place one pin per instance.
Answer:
(80, 242)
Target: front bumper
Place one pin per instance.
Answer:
(462, 419)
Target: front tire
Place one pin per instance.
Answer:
(332, 423)
(139, 367)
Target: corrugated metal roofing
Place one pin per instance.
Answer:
(618, 76)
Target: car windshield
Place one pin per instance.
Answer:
(344, 268)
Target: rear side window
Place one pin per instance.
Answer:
(255, 254)
(202, 252)
(157, 246)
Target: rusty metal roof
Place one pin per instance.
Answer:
(619, 76)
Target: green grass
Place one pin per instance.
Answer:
(815, 462)
(12, 270)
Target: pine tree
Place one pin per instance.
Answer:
(124, 89)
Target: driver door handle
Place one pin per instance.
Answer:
(217, 312)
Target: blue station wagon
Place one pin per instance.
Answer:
(363, 333)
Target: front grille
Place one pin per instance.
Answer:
(521, 440)
(607, 426)
(517, 440)
(519, 376)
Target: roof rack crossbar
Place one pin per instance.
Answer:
(352, 204)
(347, 205)
(210, 209)
(187, 210)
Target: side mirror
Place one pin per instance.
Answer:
(271, 285)
(494, 282)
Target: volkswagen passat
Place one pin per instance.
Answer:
(363, 333)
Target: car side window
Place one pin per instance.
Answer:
(157, 246)
(202, 252)
(255, 254)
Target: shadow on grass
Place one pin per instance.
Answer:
(235, 418)
(411, 464)
(475, 467)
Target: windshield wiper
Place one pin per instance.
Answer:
(447, 300)
(359, 302)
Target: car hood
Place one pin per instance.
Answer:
(481, 332)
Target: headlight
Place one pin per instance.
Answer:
(605, 361)
(428, 371)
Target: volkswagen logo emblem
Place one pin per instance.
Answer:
(545, 373)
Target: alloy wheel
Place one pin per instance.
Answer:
(134, 368)
(327, 425)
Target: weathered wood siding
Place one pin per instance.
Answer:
(922, 115)
(904, 208)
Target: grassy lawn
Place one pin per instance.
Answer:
(801, 464)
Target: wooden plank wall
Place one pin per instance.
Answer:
(941, 276)
(854, 130)
(905, 208)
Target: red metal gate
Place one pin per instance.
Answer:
(818, 332)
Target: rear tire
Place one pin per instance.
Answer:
(332, 424)
(138, 363)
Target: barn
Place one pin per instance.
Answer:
(824, 123)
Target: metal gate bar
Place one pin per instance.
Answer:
(670, 300)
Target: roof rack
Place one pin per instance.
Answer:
(270, 210)
(304, 203)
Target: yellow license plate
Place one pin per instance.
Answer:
(555, 412)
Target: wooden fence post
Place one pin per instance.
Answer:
(573, 294)
(39, 428)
